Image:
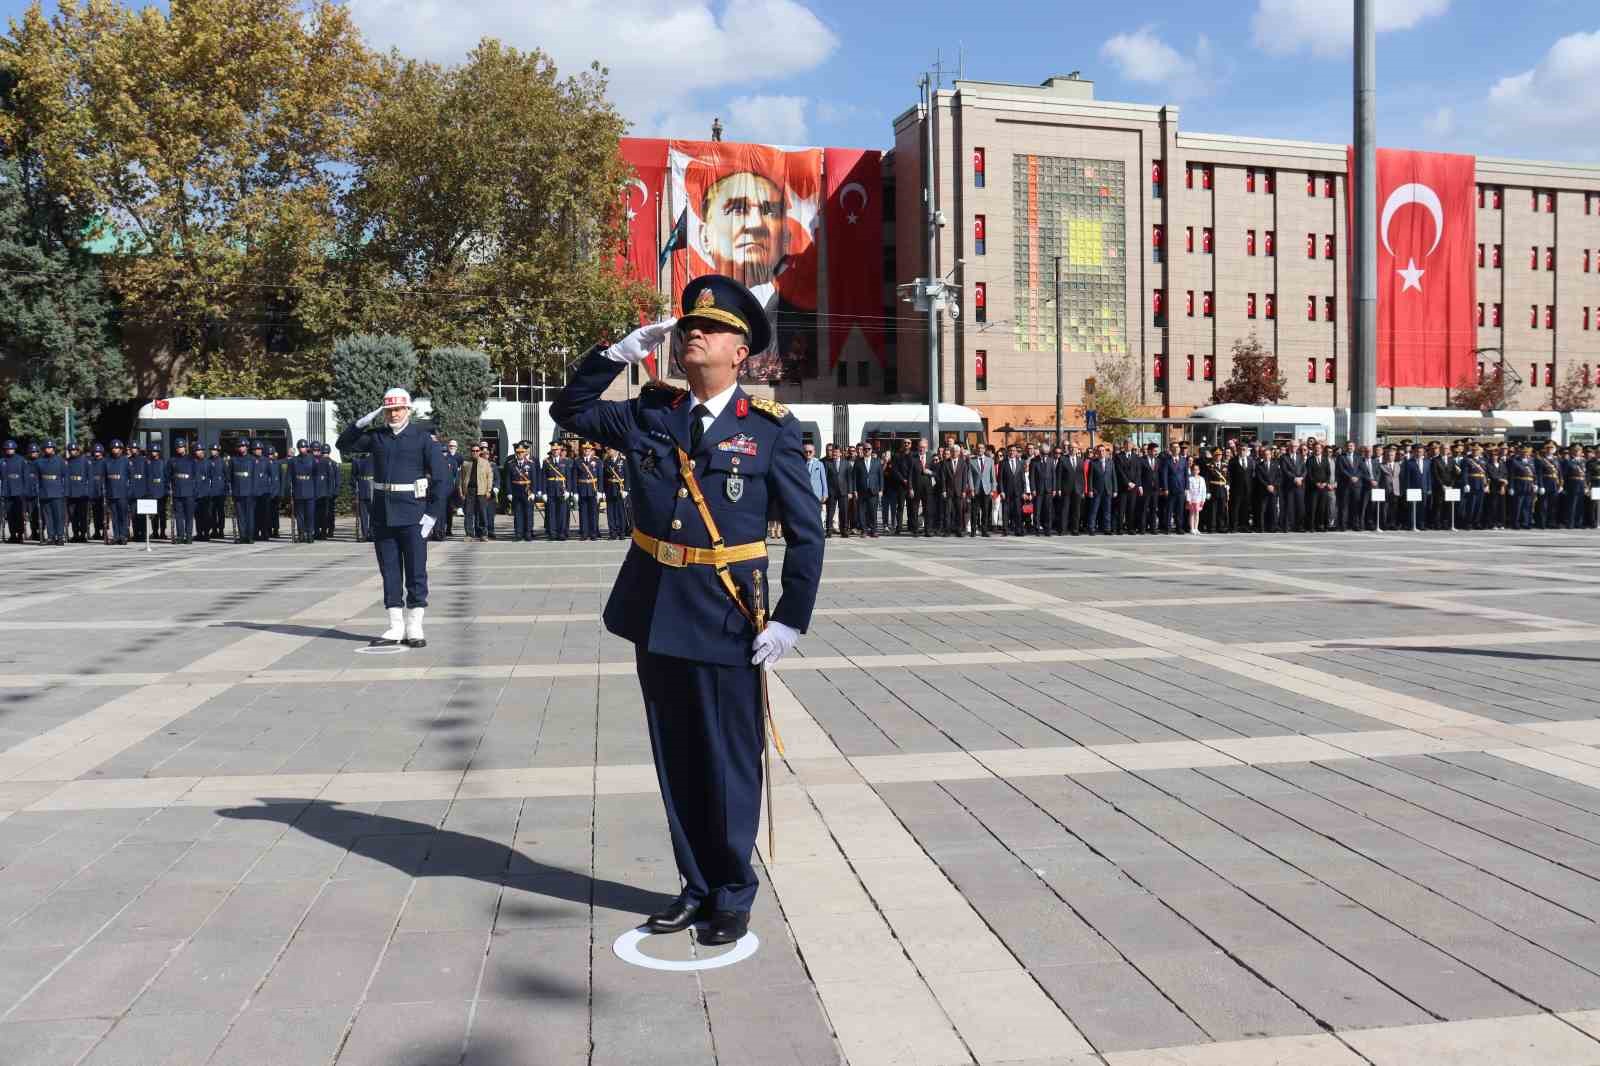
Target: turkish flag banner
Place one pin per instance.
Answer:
(1427, 280)
(641, 208)
(852, 214)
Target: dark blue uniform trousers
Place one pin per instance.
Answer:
(403, 562)
(706, 733)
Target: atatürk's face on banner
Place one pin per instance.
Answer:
(743, 227)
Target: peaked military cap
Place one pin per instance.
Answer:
(50, 444)
(99, 449)
(11, 444)
(116, 442)
(300, 443)
(719, 299)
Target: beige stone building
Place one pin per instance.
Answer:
(1177, 244)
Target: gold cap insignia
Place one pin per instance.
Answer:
(706, 299)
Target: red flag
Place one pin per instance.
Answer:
(1427, 280)
(853, 218)
(641, 206)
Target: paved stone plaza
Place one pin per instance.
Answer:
(1213, 801)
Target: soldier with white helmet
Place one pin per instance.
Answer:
(411, 488)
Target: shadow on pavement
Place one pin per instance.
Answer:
(1488, 653)
(298, 631)
(422, 850)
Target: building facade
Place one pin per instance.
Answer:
(1172, 246)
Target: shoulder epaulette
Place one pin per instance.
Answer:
(771, 408)
(661, 390)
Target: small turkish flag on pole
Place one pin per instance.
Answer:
(1427, 276)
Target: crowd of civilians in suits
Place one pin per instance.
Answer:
(1238, 487)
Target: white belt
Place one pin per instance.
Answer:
(410, 486)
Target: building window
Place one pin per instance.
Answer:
(1189, 370)
(1208, 367)
(1480, 312)
(1250, 305)
(1588, 209)
(1549, 206)
(1158, 305)
(1329, 370)
(1249, 186)
(1549, 258)
(1533, 200)
(1157, 243)
(1586, 260)
(1495, 316)
(1207, 304)
(1271, 305)
(1549, 316)
(1188, 175)
(1158, 370)
(1549, 374)
(1249, 242)
(1327, 246)
(980, 231)
(1311, 183)
(980, 301)
(1269, 182)
(978, 167)
(1533, 373)
(1205, 240)
(1327, 308)
(1480, 199)
(1311, 371)
(1585, 316)
(1156, 175)
(1480, 373)
(980, 366)
(1311, 246)
(863, 373)
(1495, 256)
(1311, 308)
(1206, 175)
(1586, 375)
(1327, 186)
(1188, 304)
(1533, 258)
(1533, 316)
(1480, 251)
(1188, 238)
(1269, 243)
(1497, 197)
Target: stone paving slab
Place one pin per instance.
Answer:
(1127, 801)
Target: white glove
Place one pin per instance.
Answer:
(641, 342)
(624, 494)
(427, 524)
(538, 496)
(772, 644)
(367, 419)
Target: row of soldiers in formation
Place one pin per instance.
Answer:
(572, 479)
(1236, 487)
(94, 493)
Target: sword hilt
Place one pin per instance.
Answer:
(760, 605)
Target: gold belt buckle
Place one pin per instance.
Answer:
(670, 554)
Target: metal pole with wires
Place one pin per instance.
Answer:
(1058, 351)
(1362, 188)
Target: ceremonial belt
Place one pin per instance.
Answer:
(114, 477)
(78, 477)
(184, 476)
(678, 555)
(520, 481)
(49, 477)
(720, 555)
(1524, 477)
(302, 477)
(410, 486)
(552, 474)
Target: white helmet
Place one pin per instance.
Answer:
(396, 398)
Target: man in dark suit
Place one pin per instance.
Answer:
(1177, 489)
(1101, 482)
(1044, 492)
(1417, 473)
(1241, 487)
(839, 476)
(1269, 489)
(868, 487)
(1292, 498)
(1128, 493)
(1320, 480)
(1070, 485)
(1013, 485)
(1151, 507)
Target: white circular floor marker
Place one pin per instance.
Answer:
(626, 948)
(382, 649)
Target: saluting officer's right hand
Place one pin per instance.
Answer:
(367, 419)
(641, 342)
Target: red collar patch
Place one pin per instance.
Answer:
(741, 407)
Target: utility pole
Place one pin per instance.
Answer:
(1363, 188)
(1058, 350)
(931, 219)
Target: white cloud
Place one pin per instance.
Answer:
(1144, 57)
(1552, 107)
(661, 53)
(1442, 123)
(774, 119)
(1326, 27)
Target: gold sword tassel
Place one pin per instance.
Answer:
(772, 727)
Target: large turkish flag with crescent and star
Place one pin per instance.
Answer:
(1427, 273)
(852, 215)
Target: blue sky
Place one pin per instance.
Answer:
(1518, 79)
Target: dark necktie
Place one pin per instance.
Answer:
(697, 427)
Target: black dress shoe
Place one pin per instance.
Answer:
(726, 927)
(414, 642)
(679, 915)
(383, 642)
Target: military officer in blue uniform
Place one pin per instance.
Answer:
(14, 475)
(263, 487)
(1524, 489)
(284, 499)
(520, 477)
(31, 487)
(80, 487)
(586, 474)
(327, 488)
(242, 488)
(51, 471)
(136, 467)
(555, 481)
(117, 478)
(615, 472)
(411, 489)
(156, 488)
(1548, 471)
(303, 489)
(1574, 480)
(97, 490)
(217, 474)
(183, 480)
(361, 472)
(706, 466)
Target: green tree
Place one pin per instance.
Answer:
(459, 383)
(209, 139)
(1254, 378)
(485, 209)
(1574, 393)
(57, 347)
(1496, 392)
(364, 367)
(1116, 394)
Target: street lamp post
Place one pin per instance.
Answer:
(1058, 351)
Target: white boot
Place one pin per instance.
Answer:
(414, 637)
(396, 630)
